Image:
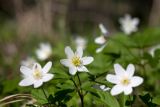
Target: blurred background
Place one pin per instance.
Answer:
(25, 23)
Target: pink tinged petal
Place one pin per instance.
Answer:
(26, 82)
(87, 60)
(47, 77)
(25, 70)
(117, 89)
(136, 81)
(72, 70)
(118, 69)
(47, 67)
(98, 50)
(79, 52)
(38, 83)
(82, 69)
(130, 70)
(69, 52)
(128, 90)
(66, 62)
(112, 78)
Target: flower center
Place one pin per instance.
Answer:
(76, 61)
(37, 74)
(125, 81)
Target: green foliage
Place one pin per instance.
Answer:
(63, 92)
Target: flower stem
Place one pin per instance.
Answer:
(80, 83)
(45, 94)
(79, 92)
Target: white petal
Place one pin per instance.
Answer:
(37, 66)
(100, 40)
(82, 69)
(135, 21)
(26, 82)
(128, 90)
(38, 83)
(87, 60)
(69, 52)
(117, 89)
(72, 70)
(25, 70)
(98, 50)
(66, 62)
(47, 67)
(102, 87)
(112, 78)
(136, 81)
(106, 89)
(103, 29)
(130, 70)
(118, 69)
(79, 51)
(47, 77)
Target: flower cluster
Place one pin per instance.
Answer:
(124, 80)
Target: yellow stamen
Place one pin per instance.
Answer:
(37, 74)
(76, 61)
(125, 81)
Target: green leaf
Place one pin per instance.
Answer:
(108, 99)
(39, 96)
(156, 100)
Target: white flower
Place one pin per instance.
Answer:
(129, 25)
(75, 61)
(104, 88)
(152, 49)
(29, 61)
(36, 76)
(124, 80)
(80, 42)
(44, 51)
(101, 40)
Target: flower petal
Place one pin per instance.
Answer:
(103, 29)
(47, 77)
(47, 67)
(118, 69)
(38, 83)
(26, 82)
(112, 78)
(130, 70)
(87, 60)
(69, 52)
(37, 66)
(65, 62)
(136, 81)
(102, 87)
(135, 21)
(79, 51)
(128, 90)
(25, 70)
(100, 40)
(117, 89)
(82, 69)
(72, 70)
(98, 50)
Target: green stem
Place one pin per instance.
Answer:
(122, 100)
(79, 93)
(130, 100)
(45, 94)
(80, 83)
